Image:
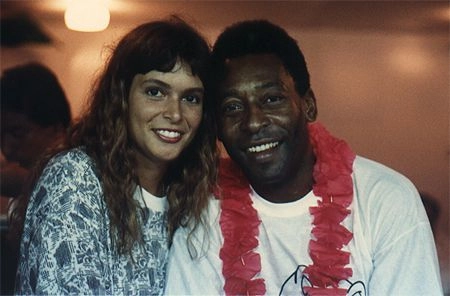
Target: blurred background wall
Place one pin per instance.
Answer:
(380, 70)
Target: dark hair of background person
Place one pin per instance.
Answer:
(33, 90)
(103, 130)
(258, 37)
(432, 208)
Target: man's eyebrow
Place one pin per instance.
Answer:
(270, 84)
(228, 93)
(231, 92)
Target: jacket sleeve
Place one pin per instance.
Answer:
(64, 244)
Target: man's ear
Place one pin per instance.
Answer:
(310, 109)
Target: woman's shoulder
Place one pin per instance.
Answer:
(72, 157)
(69, 164)
(68, 185)
(68, 173)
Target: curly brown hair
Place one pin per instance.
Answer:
(103, 130)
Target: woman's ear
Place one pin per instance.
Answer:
(310, 109)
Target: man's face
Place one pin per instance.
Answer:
(22, 140)
(262, 121)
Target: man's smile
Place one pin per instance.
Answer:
(262, 147)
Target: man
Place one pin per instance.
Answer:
(297, 212)
(35, 115)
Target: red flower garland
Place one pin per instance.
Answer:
(239, 222)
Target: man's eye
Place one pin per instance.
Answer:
(18, 132)
(274, 99)
(154, 92)
(231, 108)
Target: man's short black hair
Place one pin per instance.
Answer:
(34, 90)
(259, 37)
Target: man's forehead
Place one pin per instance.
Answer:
(256, 77)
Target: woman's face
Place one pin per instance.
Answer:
(165, 113)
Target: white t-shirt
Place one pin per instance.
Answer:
(392, 250)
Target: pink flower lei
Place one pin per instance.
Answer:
(239, 222)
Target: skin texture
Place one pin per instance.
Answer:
(263, 126)
(165, 113)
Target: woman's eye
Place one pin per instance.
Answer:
(154, 92)
(192, 99)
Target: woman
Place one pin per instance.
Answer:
(140, 163)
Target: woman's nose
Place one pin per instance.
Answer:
(172, 110)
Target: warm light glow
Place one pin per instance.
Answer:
(410, 57)
(87, 15)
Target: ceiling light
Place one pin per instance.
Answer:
(87, 15)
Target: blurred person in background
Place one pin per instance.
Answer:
(35, 115)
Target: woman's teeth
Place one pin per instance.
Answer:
(262, 147)
(168, 134)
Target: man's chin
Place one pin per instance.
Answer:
(265, 177)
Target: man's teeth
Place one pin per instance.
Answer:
(263, 147)
(168, 134)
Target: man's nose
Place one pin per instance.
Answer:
(7, 145)
(255, 119)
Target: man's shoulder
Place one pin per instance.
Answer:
(212, 211)
(379, 186)
(374, 171)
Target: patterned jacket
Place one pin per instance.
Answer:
(66, 246)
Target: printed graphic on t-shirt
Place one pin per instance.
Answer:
(297, 282)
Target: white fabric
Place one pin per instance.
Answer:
(151, 201)
(392, 252)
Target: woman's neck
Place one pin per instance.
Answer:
(152, 179)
